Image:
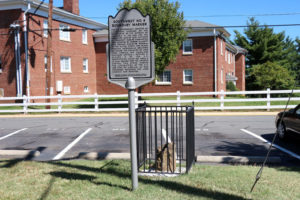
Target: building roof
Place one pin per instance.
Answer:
(200, 26)
(40, 8)
(240, 49)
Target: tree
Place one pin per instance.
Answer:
(271, 75)
(265, 46)
(167, 28)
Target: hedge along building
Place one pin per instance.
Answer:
(73, 63)
(205, 62)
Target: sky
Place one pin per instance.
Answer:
(215, 12)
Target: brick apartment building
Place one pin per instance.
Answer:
(78, 65)
(73, 63)
(205, 63)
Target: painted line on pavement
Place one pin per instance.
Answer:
(274, 145)
(11, 134)
(65, 150)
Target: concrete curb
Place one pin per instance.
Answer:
(21, 153)
(126, 156)
(103, 156)
(237, 159)
(200, 159)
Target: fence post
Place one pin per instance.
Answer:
(178, 98)
(136, 97)
(59, 101)
(96, 102)
(25, 104)
(268, 99)
(222, 100)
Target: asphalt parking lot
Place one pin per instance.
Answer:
(67, 137)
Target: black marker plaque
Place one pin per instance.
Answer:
(130, 48)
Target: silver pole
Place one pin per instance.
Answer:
(130, 85)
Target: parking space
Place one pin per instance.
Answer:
(63, 138)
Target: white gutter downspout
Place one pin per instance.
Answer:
(26, 50)
(215, 59)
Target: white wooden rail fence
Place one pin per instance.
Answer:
(58, 102)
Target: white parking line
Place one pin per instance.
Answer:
(274, 145)
(62, 153)
(11, 134)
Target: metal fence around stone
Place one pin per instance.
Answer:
(165, 139)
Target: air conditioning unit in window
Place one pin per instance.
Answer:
(59, 86)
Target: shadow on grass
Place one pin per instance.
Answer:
(30, 156)
(115, 170)
(47, 191)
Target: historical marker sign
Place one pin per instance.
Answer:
(130, 50)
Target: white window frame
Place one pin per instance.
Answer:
(86, 89)
(183, 47)
(63, 68)
(225, 55)
(0, 63)
(85, 63)
(64, 35)
(164, 82)
(84, 36)
(184, 77)
(67, 89)
(46, 63)
(228, 57)
(45, 27)
(221, 47)
(222, 81)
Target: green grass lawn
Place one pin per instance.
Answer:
(82, 179)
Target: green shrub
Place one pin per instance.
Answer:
(231, 87)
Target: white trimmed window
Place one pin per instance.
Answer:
(0, 64)
(46, 63)
(85, 65)
(45, 27)
(65, 64)
(64, 35)
(187, 46)
(225, 55)
(84, 37)
(188, 76)
(86, 89)
(222, 47)
(67, 90)
(164, 78)
(229, 57)
(222, 76)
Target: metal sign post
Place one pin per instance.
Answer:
(130, 64)
(132, 130)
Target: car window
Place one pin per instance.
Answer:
(298, 112)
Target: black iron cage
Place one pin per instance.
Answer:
(165, 139)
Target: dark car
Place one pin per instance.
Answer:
(290, 122)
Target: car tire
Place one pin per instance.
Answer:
(281, 131)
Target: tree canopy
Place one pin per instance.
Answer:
(167, 28)
(267, 52)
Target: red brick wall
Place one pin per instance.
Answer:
(72, 6)
(240, 71)
(103, 86)
(201, 62)
(8, 75)
(74, 49)
(224, 65)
